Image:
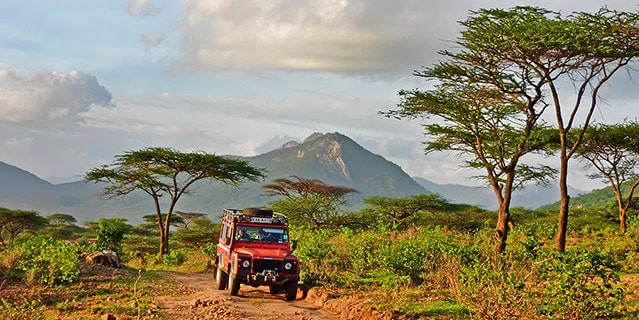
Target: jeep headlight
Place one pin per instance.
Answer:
(288, 266)
(246, 264)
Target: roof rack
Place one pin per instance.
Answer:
(237, 215)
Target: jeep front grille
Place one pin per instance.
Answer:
(261, 265)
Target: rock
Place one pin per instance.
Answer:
(105, 257)
(108, 317)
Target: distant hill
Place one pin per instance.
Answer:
(332, 158)
(530, 197)
(596, 198)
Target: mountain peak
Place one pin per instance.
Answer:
(313, 136)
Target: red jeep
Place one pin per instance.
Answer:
(254, 250)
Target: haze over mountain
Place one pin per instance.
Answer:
(332, 158)
(530, 197)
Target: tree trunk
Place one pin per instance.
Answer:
(503, 193)
(622, 219)
(501, 232)
(163, 246)
(158, 212)
(562, 224)
(165, 240)
(623, 207)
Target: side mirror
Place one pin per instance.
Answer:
(293, 245)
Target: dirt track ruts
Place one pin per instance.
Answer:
(198, 299)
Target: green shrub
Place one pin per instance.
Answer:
(174, 258)
(110, 234)
(580, 284)
(209, 250)
(49, 261)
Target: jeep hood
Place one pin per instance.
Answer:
(261, 253)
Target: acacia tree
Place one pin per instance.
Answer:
(486, 109)
(582, 50)
(61, 219)
(163, 172)
(613, 150)
(14, 222)
(399, 210)
(307, 201)
(189, 217)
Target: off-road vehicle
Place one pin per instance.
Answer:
(254, 249)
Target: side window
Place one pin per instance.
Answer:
(223, 234)
(229, 232)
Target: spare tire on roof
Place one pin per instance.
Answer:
(258, 212)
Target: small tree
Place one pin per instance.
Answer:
(613, 150)
(167, 172)
(110, 234)
(398, 210)
(61, 219)
(201, 231)
(308, 202)
(14, 222)
(188, 217)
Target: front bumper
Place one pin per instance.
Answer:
(268, 278)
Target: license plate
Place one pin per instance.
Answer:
(260, 220)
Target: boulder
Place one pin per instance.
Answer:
(105, 257)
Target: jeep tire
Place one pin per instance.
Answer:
(291, 291)
(274, 289)
(234, 285)
(221, 278)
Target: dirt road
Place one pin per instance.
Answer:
(197, 299)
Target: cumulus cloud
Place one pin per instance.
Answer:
(45, 96)
(338, 36)
(143, 8)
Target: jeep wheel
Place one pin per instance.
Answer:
(220, 278)
(291, 291)
(274, 289)
(234, 284)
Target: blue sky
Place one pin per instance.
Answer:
(81, 81)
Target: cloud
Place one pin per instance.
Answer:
(338, 36)
(47, 96)
(143, 8)
(152, 40)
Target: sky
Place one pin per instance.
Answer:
(82, 81)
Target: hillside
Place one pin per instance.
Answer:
(530, 197)
(596, 198)
(332, 158)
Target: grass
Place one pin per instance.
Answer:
(99, 292)
(416, 302)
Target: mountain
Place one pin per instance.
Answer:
(332, 157)
(530, 197)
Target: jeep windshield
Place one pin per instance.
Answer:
(261, 234)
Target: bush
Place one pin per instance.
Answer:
(581, 284)
(209, 250)
(110, 235)
(48, 261)
(175, 258)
